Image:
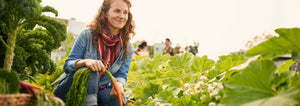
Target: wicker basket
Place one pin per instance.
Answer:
(16, 100)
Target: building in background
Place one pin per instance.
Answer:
(158, 48)
(73, 28)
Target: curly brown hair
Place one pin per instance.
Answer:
(100, 21)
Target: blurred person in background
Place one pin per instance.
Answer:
(142, 49)
(168, 49)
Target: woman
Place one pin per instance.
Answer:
(104, 45)
(168, 49)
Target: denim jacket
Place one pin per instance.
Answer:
(83, 49)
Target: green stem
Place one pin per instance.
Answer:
(9, 54)
(110, 76)
(3, 42)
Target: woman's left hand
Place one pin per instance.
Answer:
(113, 92)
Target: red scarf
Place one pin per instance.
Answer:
(109, 47)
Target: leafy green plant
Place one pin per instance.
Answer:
(253, 86)
(44, 99)
(4, 87)
(77, 93)
(9, 82)
(263, 83)
(286, 43)
(152, 88)
(182, 61)
(49, 80)
(28, 37)
(225, 63)
(286, 66)
(201, 64)
(179, 80)
(189, 80)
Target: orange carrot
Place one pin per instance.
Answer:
(32, 85)
(117, 88)
(119, 92)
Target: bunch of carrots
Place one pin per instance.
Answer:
(28, 87)
(32, 85)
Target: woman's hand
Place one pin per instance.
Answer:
(94, 65)
(113, 92)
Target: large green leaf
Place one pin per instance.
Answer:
(286, 66)
(152, 88)
(228, 61)
(284, 98)
(254, 85)
(182, 61)
(202, 64)
(142, 62)
(225, 63)
(286, 43)
(164, 97)
(157, 61)
(128, 89)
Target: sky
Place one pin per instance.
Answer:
(220, 26)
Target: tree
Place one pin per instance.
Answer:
(28, 37)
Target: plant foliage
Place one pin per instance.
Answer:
(286, 43)
(77, 93)
(28, 36)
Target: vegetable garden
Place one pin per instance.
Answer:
(232, 80)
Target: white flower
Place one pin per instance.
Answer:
(209, 85)
(215, 84)
(205, 72)
(192, 93)
(150, 98)
(200, 83)
(212, 104)
(202, 91)
(175, 96)
(202, 97)
(220, 87)
(186, 92)
(213, 93)
(157, 104)
(210, 89)
(197, 87)
(140, 100)
(203, 78)
(165, 86)
(218, 97)
(186, 85)
(130, 104)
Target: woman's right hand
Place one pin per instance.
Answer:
(95, 65)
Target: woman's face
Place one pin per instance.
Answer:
(117, 15)
(167, 43)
